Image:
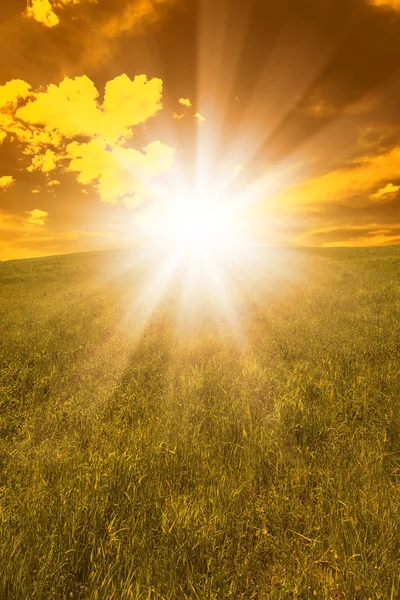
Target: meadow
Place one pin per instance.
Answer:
(146, 458)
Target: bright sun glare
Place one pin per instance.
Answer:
(200, 228)
(203, 242)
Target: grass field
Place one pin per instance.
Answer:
(168, 459)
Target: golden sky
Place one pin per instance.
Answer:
(105, 106)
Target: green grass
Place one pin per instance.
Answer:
(192, 464)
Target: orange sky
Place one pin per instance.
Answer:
(108, 106)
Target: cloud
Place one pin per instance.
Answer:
(6, 181)
(44, 162)
(185, 102)
(69, 108)
(69, 122)
(13, 91)
(42, 11)
(37, 217)
(387, 190)
(177, 117)
(53, 183)
(352, 185)
(11, 95)
(36, 191)
(120, 173)
(72, 109)
(130, 102)
(35, 139)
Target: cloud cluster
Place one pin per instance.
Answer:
(12, 92)
(43, 11)
(67, 126)
(44, 162)
(6, 181)
(185, 102)
(37, 217)
(122, 173)
(72, 108)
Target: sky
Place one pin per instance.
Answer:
(287, 110)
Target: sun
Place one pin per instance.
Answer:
(200, 251)
(201, 228)
(197, 225)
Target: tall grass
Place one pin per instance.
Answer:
(187, 464)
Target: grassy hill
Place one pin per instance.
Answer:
(163, 456)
